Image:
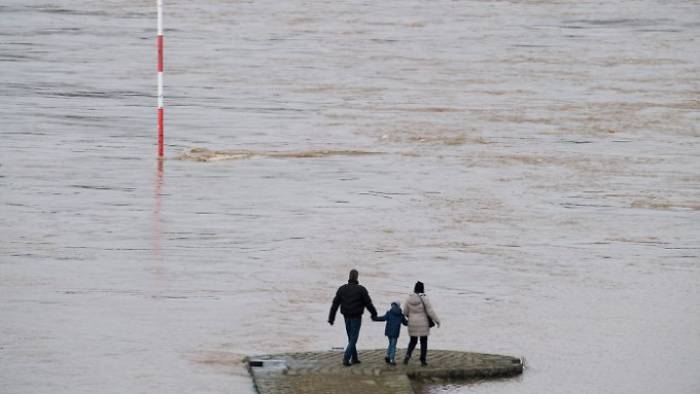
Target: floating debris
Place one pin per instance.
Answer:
(204, 154)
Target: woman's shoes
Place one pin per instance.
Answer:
(387, 360)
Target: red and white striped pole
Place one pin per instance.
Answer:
(160, 78)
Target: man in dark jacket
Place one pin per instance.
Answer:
(352, 298)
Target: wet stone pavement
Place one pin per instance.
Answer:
(322, 372)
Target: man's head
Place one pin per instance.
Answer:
(353, 275)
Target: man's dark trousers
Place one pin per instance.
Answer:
(352, 327)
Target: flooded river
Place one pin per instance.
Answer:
(535, 163)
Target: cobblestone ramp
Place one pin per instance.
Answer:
(323, 372)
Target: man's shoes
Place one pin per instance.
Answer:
(387, 360)
(423, 364)
(356, 362)
(405, 360)
(346, 363)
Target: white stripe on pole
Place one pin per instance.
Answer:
(159, 4)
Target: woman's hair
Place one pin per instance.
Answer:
(418, 288)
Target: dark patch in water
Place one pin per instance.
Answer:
(15, 58)
(264, 109)
(530, 46)
(16, 204)
(97, 187)
(66, 11)
(58, 30)
(81, 94)
(621, 22)
(572, 205)
(136, 15)
(659, 31)
(169, 297)
(75, 118)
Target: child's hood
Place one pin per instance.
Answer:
(396, 308)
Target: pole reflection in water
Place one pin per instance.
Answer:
(157, 229)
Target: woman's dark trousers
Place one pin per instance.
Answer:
(423, 348)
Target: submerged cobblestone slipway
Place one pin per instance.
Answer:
(322, 373)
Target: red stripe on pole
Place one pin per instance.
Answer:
(160, 53)
(160, 132)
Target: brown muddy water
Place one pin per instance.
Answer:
(535, 163)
